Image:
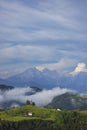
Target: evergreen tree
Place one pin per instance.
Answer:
(28, 102)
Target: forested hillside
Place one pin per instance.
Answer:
(69, 101)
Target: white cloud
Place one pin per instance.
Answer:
(46, 96)
(81, 67)
(62, 65)
(25, 52)
(62, 11)
(41, 98)
(17, 19)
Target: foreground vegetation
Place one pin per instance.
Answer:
(42, 119)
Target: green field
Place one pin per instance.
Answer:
(18, 114)
(42, 119)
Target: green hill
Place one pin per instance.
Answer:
(18, 114)
(69, 101)
(42, 119)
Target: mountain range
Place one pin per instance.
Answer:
(48, 79)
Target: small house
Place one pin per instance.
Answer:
(58, 109)
(29, 113)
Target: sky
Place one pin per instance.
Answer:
(42, 33)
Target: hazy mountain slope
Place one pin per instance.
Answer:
(80, 82)
(5, 87)
(34, 77)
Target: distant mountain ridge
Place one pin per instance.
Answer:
(48, 79)
(33, 77)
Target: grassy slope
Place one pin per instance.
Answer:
(43, 119)
(17, 114)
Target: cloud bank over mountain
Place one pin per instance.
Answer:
(46, 96)
(62, 65)
(19, 95)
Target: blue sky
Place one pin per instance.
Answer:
(41, 33)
